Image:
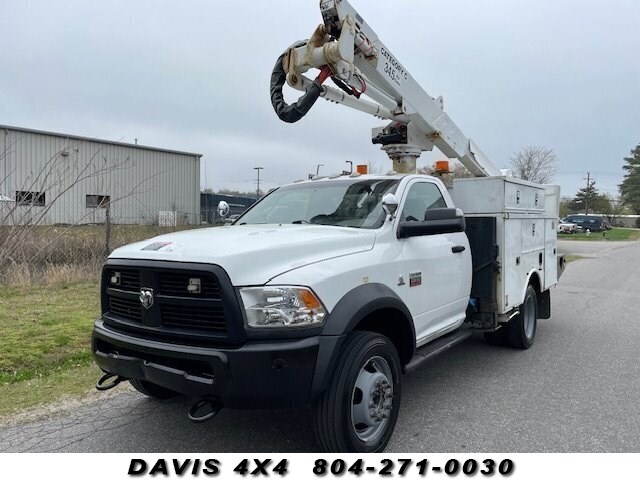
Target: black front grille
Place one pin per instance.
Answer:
(208, 313)
(128, 308)
(177, 283)
(129, 279)
(210, 318)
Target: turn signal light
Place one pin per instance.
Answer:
(309, 299)
(442, 166)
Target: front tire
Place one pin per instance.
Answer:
(359, 409)
(152, 390)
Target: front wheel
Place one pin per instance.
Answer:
(358, 412)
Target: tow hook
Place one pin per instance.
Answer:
(108, 381)
(204, 409)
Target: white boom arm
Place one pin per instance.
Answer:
(357, 58)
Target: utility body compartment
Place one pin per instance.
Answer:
(499, 195)
(511, 225)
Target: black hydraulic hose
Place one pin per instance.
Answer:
(294, 112)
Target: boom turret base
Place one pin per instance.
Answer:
(404, 157)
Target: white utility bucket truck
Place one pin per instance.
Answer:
(326, 292)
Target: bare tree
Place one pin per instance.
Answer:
(24, 242)
(534, 163)
(613, 208)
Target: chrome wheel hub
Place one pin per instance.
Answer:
(372, 399)
(529, 317)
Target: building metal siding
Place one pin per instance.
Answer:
(140, 181)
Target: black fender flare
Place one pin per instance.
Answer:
(361, 301)
(350, 310)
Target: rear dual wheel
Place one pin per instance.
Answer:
(522, 329)
(520, 332)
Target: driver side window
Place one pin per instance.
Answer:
(421, 197)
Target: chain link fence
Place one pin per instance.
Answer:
(35, 253)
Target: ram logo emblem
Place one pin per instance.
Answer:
(146, 297)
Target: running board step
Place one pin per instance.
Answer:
(423, 354)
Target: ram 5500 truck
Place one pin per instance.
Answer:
(326, 292)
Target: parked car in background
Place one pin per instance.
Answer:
(593, 223)
(567, 227)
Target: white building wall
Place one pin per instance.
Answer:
(140, 181)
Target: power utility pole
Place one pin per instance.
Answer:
(588, 194)
(258, 187)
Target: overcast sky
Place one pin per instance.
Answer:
(194, 75)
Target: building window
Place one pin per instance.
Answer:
(35, 199)
(98, 201)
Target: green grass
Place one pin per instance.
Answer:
(45, 324)
(617, 234)
(58, 384)
(45, 329)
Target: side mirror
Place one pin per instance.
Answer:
(223, 209)
(436, 221)
(390, 204)
(443, 214)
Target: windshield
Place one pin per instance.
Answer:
(341, 203)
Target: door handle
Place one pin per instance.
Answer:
(458, 249)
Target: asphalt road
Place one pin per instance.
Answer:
(591, 248)
(576, 390)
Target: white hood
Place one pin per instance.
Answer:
(253, 254)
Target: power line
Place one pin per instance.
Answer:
(596, 172)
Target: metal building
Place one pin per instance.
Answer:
(53, 178)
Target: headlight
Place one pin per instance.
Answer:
(272, 307)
